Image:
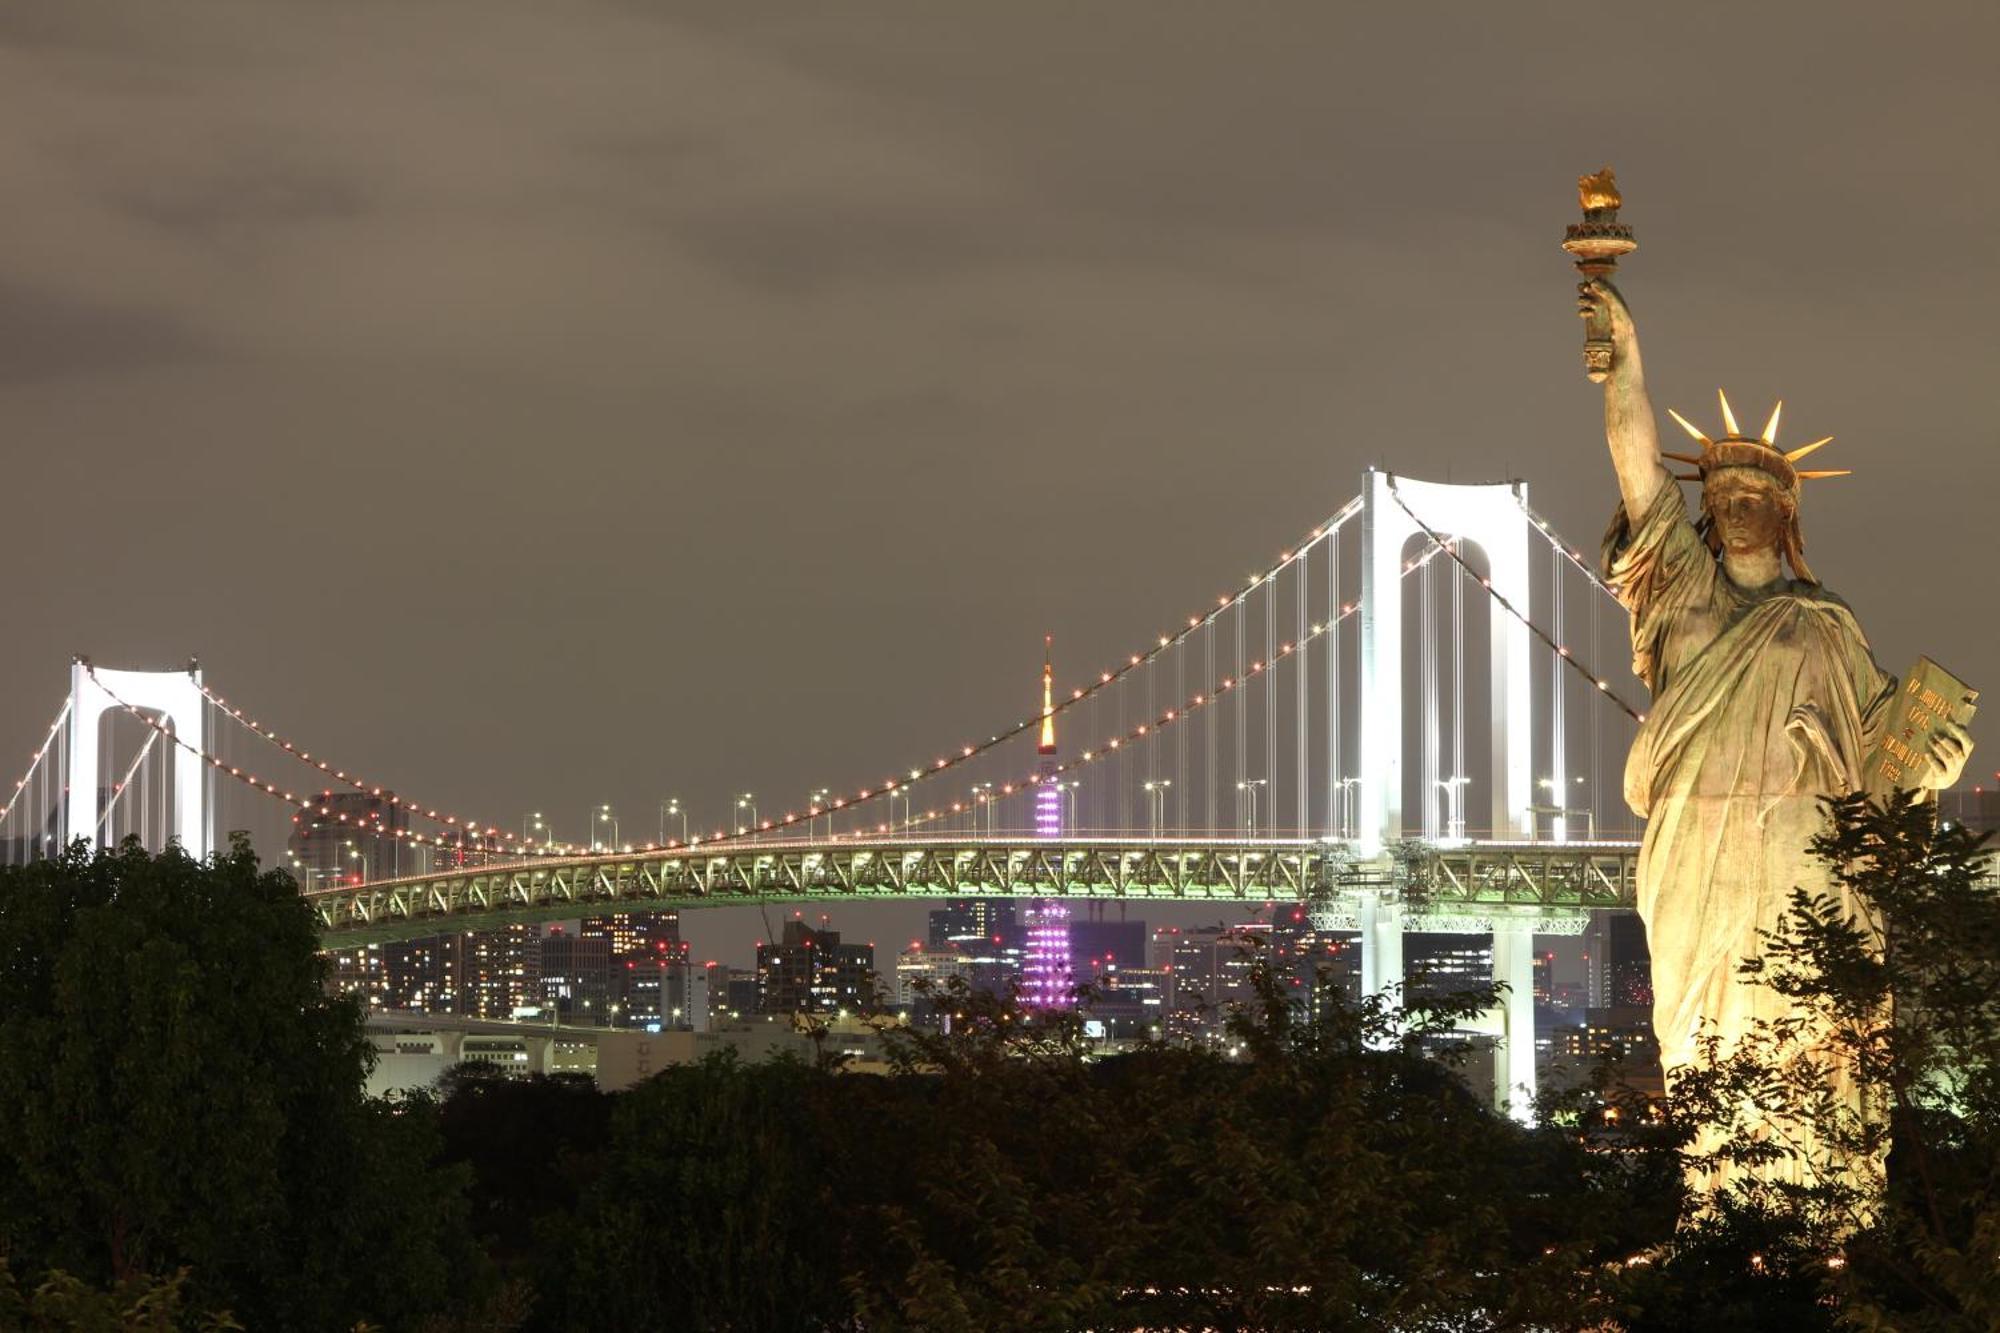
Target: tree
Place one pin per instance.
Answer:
(182, 1093)
(711, 1207)
(1885, 1220)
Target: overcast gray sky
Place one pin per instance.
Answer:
(551, 404)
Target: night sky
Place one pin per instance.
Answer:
(543, 405)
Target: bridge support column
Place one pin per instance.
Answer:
(1381, 921)
(1514, 1060)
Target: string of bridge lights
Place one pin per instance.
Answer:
(1571, 554)
(1106, 749)
(889, 787)
(305, 804)
(360, 784)
(465, 825)
(35, 761)
(1105, 679)
(1561, 650)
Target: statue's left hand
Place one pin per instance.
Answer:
(1949, 751)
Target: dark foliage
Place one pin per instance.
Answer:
(188, 1134)
(180, 1093)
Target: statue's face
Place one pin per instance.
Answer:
(1749, 507)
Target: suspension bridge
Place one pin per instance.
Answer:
(1314, 735)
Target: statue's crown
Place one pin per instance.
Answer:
(1735, 449)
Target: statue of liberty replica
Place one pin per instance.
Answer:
(1766, 698)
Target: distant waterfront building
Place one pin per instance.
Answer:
(810, 971)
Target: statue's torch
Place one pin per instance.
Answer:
(1596, 243)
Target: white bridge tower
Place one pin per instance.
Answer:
(177, 698)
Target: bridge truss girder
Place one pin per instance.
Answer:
(1440, 887)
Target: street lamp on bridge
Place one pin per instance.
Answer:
(747, 801)
(982, 799)
(1158, 791)
(1454, 799)
(671, 808)
(817, 804)
(1347, 787)
(1249, 788)
(603, 815)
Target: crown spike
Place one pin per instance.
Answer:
(1680, 458)
(1687, 476)
(1728, 417)
(1688, 426)
(1770, 435)
(1835, 472)
(1804, 449)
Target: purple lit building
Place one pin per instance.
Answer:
(1046, 978)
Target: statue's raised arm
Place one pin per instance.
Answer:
(1628, 413)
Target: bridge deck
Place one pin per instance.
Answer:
(1436, 880)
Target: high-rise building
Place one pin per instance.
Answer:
(1211, 969)
(576, 977)
(1441, 965)
(811, 971)
(966, 923)
(350, 837)
(1133, 1001)
(738, 989)
(1310, 964)
(502, 971)
(424, 974)
(362, 973)
(923, 976)
(1628, 963)
(1099, 947)
(650, 972)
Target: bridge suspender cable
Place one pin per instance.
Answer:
(118, 791)
(1561, 650)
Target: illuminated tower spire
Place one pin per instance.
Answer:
(1047, 980)
(1048, 745)
(1048, 773)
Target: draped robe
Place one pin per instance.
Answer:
(1764, 701)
